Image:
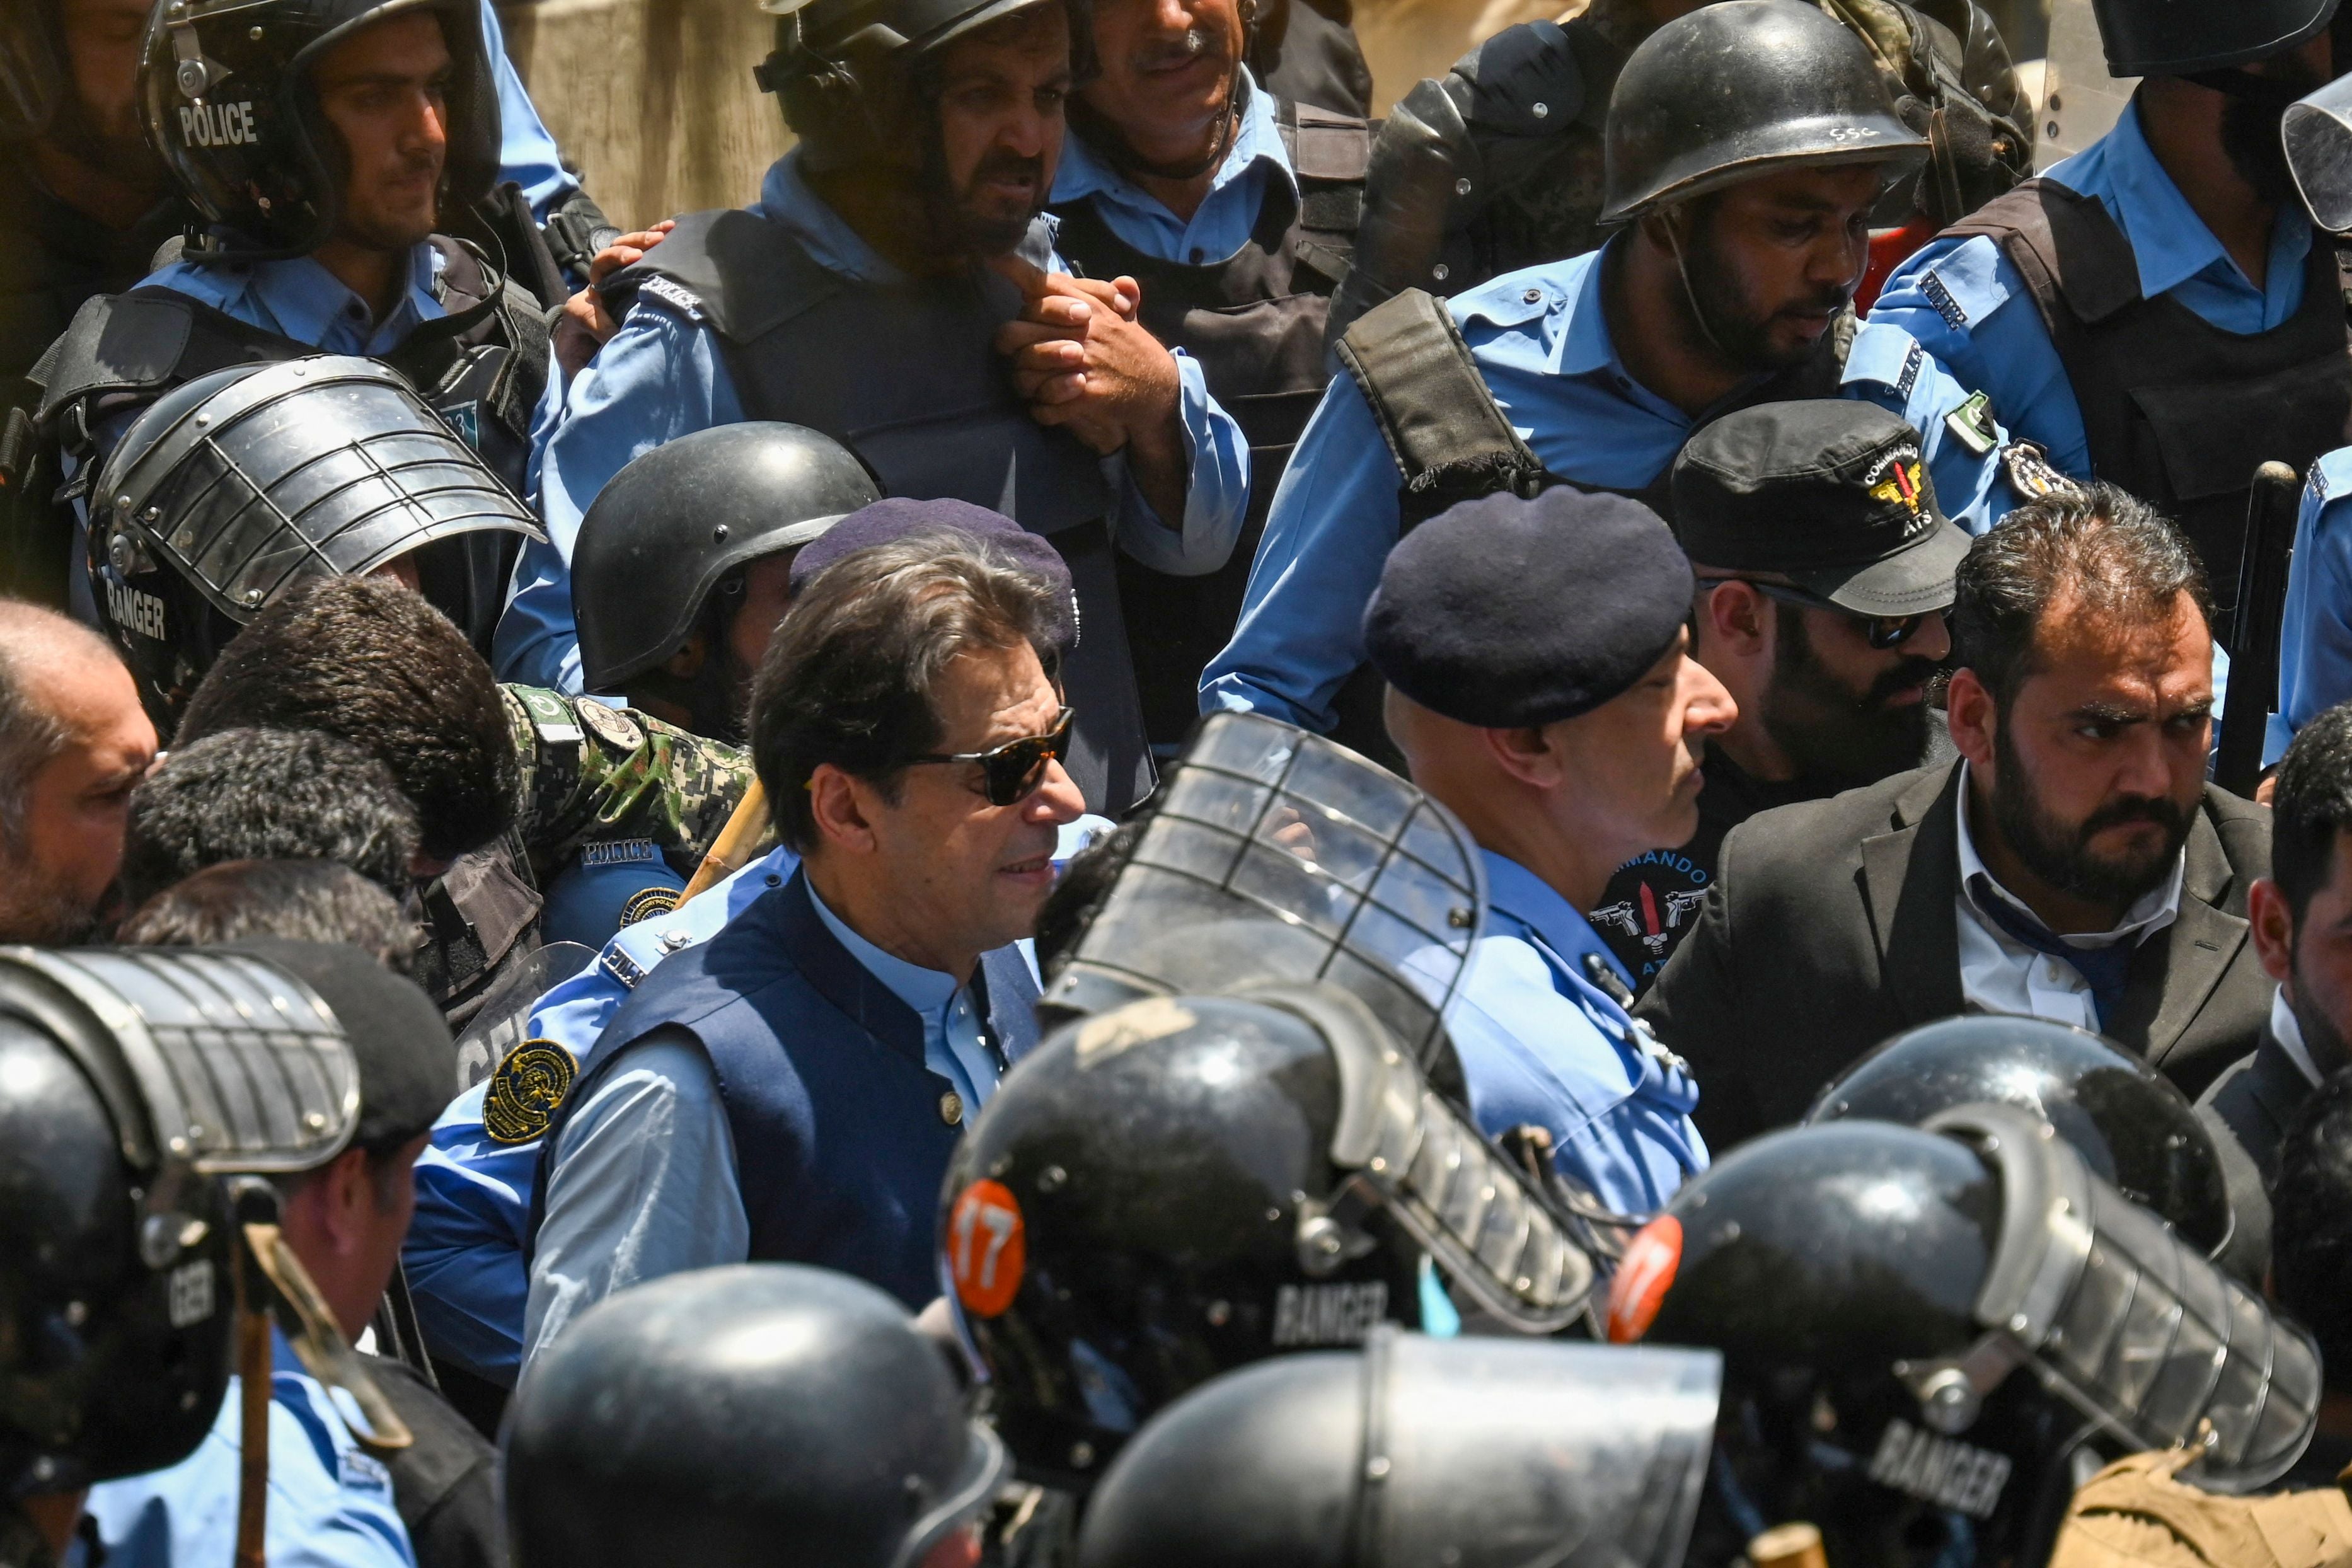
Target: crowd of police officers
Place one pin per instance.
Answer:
(1152, 824)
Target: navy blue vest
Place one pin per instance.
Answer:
(841, 1138)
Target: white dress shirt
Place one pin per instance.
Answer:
(2000, 975)
(2288, 1032)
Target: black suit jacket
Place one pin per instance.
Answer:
(2255, 1099)
(1831, 926)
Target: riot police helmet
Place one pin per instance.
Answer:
(751, 1414)
(2127, 1121)
(2156, 38)
(1475, 1452)
(224, 89)
(33, 71)
(1924, 1327)
(1173, 1188)
(1741, 89)
(136, 1080)
(233, 487)
(680, 524)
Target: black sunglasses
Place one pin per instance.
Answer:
(1882, 632)
(1010, 773)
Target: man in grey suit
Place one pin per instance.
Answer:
(2301, 930)
(2072, 865)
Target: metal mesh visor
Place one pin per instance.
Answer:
(1474, 1212)
(1483, 1451)
(240, 1066)
(248, 478)
(2114, 1313)
(2317, 131)
(1275, 854)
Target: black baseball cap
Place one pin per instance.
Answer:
(408, 1064)
(1833, 494)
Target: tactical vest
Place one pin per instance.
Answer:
(906, 375)
(2178, 411)
(841, 1133)
(1254, 322)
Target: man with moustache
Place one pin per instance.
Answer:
(1748, 142)
(1824, 568)
(894, 264)
(1236, 210)
(2073, 864)
(2157, 312)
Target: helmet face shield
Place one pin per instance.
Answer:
(2317, 131)
(1275, 856)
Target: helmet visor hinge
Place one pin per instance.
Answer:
(1951, 1392)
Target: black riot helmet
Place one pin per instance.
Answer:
(1176, 1187)
(1476, 1453)
(741, 1417)
(1274, 855)
(681, 522)
(1920, 1328)
(33, 69)
(135, 1080)
(231, 488)
(1740, 89)
(226, 94)
(2126, 1121)
(848, 72)
(2163, 37)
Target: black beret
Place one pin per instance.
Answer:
(408, 1064)
(1506, 612)
(885, 521)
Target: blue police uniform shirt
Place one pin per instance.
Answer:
(466, 1245)
(330, 1502)
(1255, 163)
(663, 375)
(1965, 302)
(609, 886)
(1541, 338)
(2315, 635)
(527, 153)
(1540, 1043)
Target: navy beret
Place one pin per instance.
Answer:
(885, 521)
(1504, 612)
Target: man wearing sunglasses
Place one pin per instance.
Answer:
(790, 1089)
(1824, 566)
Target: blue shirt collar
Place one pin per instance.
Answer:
(2170, 241)
(1258, 139)
(1518, 893)
(298, 298)
(926, 990)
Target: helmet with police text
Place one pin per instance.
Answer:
(136, 1080)
(1920, 1328)
(739, 1416)
(1274, 855)
(1473, 1452)
(226, 94)
(1741, 89)
(33, 71)
(850, 73)
(231, 488)
(2126, 1121)
(669, 537)
(2160, 38)
(1177, 1186)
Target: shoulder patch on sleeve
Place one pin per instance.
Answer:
(611, 725)
(551, 718)
(617, 963)
(2332, 474)
(1931, 285)
(2031, 472)
(526, 1089)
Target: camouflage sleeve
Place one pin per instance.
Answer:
(592, 772)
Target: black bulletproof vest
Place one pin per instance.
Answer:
(906, 375)
(2178, 412)
(1254, 322)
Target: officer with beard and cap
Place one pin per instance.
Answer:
(894, 288)
(1747, 144)
(2156, 311)
(1545, 693)
(466, 1258)
(1236, 210)
(1824, 568)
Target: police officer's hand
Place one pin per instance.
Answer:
(586, 325)
(1091, 368)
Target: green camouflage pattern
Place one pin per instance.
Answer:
(590, 771)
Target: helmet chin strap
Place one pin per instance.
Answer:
(1681, 270)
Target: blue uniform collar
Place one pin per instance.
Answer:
(1514, 890)
(298, 298)
(2169, 240)
(926, 990)
(1258, 139)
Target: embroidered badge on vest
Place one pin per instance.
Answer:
(526, 1089)
(2031, 472)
